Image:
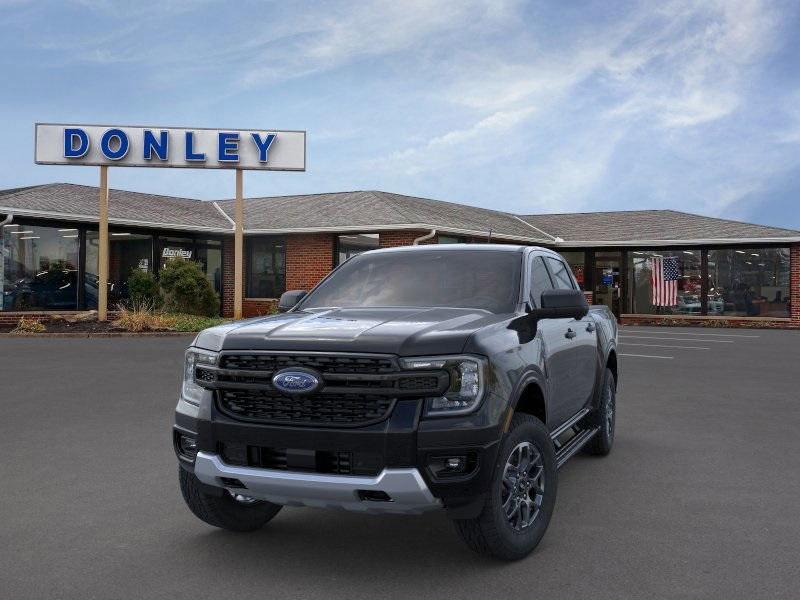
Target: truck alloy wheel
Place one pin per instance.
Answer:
(523, 485)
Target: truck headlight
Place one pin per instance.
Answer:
(467, 383)
(190, 391)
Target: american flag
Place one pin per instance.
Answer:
(664, 279)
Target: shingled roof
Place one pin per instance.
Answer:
(356, 211)
(363, 211)
(644, 226)
(79, 203)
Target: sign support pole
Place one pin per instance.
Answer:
(102, 255)
(238, 256)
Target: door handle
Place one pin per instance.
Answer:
(590, 327)
(570, 334)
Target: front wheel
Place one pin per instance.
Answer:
(522, 497)
(225, 511)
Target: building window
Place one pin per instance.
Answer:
(266, 267)
(127, 252)
(39, 268)
(577, 261)
(351, 245)
(665, 282)
(748, 282)
(449, 239)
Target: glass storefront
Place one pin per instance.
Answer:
(39, 267)
(266, 267)
(576, 259)
(128, 251)
(665, 282)
(351, 245)
(749, 282)
(209, 255)
(607, 279)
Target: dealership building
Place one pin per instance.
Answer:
(720, 271)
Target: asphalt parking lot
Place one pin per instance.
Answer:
(698, 500)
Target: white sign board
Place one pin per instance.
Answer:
(189, 148)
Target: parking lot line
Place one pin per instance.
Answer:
(654, 337)
(736, 335)
(646, 356)
(665, 346)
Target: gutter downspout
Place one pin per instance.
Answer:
(7, 220)
(424, 238)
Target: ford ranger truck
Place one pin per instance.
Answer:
(444, 377)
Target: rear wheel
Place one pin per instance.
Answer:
(605, 416)
(522, 497)
(234, 513)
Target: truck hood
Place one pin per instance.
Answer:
(401, 331)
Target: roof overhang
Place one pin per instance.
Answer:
(399, 227)
(113, 221)
(685, 242)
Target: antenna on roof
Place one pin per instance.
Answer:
(489, 241)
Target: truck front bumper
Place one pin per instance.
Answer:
(401, 491)
(395, 462)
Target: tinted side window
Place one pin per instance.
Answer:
(540, 280)
(560, 272)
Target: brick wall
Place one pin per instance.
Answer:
(228, 266)
(256, 308)
(794, 283)
(392, 239)
(309, 257)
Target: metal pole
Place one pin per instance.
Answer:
(102, 255)
(238, 256)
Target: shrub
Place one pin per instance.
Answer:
(143, 289)
(186, 289)
(27, 325)
(141, 317)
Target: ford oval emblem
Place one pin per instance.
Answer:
(290, 381)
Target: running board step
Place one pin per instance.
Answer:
(571, 447)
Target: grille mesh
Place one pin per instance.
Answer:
(323, 364)
(331, 409)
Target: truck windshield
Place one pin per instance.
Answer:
(482, 279)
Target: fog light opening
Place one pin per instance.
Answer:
(453, 465)
(187, 447)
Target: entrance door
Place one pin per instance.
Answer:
(608, 280)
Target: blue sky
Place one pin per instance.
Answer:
(521, 106)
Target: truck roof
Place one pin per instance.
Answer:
(460, 248)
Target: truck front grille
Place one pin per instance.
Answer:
(356, 390)
(341, 410)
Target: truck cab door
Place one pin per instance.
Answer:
(558, 349)
(583, 344)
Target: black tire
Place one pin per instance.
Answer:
(601, 443)
(492, 533)
(224, 511)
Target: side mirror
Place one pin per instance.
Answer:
(290, 299)
(558, 304)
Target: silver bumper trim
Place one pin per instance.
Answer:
(407, 489)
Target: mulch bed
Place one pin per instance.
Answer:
(87, 327)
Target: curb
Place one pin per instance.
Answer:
(99, 334)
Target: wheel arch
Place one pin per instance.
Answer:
(611, 364)
(530, 400)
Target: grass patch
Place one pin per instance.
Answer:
(188, 323)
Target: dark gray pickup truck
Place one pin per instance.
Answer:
(456, 377)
